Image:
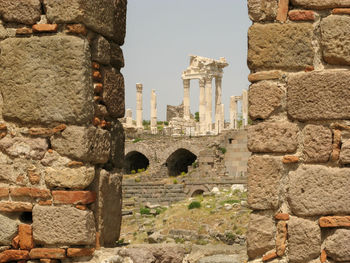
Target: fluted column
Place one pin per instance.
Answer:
(128, 117)
(233, 112)
(218, 92)
(222, 118)
(245, 107)
(202, 106)
(186, 83)
(139, 105)
(208, 98)
(154, 129)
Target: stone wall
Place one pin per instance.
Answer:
(298, 175)
(61, 145)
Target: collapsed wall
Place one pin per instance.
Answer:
(299, 98)
(61, 144)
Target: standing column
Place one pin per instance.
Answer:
(233, 112)
(139, 105)
(154, 129)
(218, 92)
(186, 83)
(208, 93)
(245, 107)
(202, 106)
(128, 117)
(222, 118)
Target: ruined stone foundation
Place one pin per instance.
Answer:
(61, 145)
(298, 175)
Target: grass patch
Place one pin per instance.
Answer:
(230, 201)
(194, 204)
(145, 211)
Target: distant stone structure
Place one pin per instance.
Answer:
(154, 129)
(139, 108)
(174, 112)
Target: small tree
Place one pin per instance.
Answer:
(196, 116)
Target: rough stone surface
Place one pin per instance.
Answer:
(273, 137)
(117, 145)
(319, 190)
(20, 11)
(337, 245)
(117, 58)
(260, 236)
(63, 225)
(86, 144)
(280, 46)
(74, 178)
(345, 152)
(8, 229)
(33, 97)
(336, 40)
(330, 100)
(317, 143)
(264, 98)
(304, 240)
(101, 50)
(324, 4)
(264, 175)
(3, 32)
(262, 10)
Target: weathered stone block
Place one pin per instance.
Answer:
(264, 175)
(280, 46)
(260, 236)
(53, 80)
(117, 58)
(63, 225)
(324, 4)
(86, 144)
(317, 143)
(74, 178)
(304, 240)
(264, 98)
(273, 137)
(337, 245)
(330, 100)
(262, 10)
(117, 145)
(8, 229)
(319, 190)
(336, 40)
(345, 152)
(101, 50)
(20, 11)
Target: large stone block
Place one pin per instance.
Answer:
(278, 137)
(8, 229)
(317, 143)
(52, 82)
(336, 40)
(117, 145)
(20, 11)
(319, 190)
(337, 245)
(280, 46)
(264, 175)
(86, 144)
(264, 98)
(260, 235)
(101, 50)
(63, 225)
(304, 240)
(329, 102)
(262, 10)
(117, 58)
(345, 152)
(324, 4)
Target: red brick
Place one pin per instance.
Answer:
(269, 256)
(265, 75)
(4, 192)
(47, 253)
(45, 28)
(81, 207)
(80, 252)
(73, 197)
(96, 75)
(96, 121)
(98, 87)
(3, 127)
(15, 242)
(335, 221)
(281, 238)
(301, 15)
(282, 10)
(15, 207)
(323, 257)
(25, 236)
(13, 255)
(345, 11)
(290, 159)
(79, 29)
(30, 192)
(336, 145)
(47, 131)
(46, 202)
(95, 65)
(309, 68)
(24, 31)
(282, 216)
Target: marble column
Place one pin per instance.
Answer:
(222, 118)
(202, 107)
(233, 112)
(128, 117)
(208, 98)
(139, 105)
(218, 92)
(154, 129)
(245, 107)
(186, 83)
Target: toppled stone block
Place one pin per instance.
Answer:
(8, 229)
(304, 240)
(292, 51)
(319, 190)
(324, 4)
(277, 137)
(262, 10)
(63, 225)
(264, 175)
(330, 100)
(337, 245)
(101, 50)
(86, 144)
(33, 97)
(20, 11)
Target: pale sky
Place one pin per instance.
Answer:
(162, 33)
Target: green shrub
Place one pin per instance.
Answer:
(195, 164)
(166, 123)
(194, 204)
(160, 128)
(137, 179)
(141, 170)
(183, 173)
(145, 211)
(175, 181)
(223, 150)
(196, 116)
(133, 172)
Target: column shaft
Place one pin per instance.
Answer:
(139, 105)
(208, 92)
(154, 112)
(186, 83)
(202, 106)
(245, 107)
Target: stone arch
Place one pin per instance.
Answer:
(179, 160)
(135, 160)
(198, 189)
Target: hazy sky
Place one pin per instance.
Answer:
(162, 33)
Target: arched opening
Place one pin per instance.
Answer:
(197, 192)
(179, 161)
(135, 161)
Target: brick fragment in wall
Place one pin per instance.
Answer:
(319, 190)
(304, 240)
(47, 253)
(317, 143)
(73, 197)
(20, 11)
(282, 10)
(264, 175)
(264, 98)
(262, 10)
(8, 229)
(29, 192)
(336, 145)
(80, 252)
(101, 50)
(14, 255)
(337, 245)
(113, 92)
(335, 221)
(281, 238)
(85, 144)
(329, 102)
(336, 40)
(280, 46)
(324, 4)
(301, 15)
(63, 225)
(45, 28)
(64, 97)
(260, 235)
(25, 233)
(10, 207)
(265, 75)
(278, 137)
